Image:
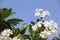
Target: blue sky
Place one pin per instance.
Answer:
(25, 9)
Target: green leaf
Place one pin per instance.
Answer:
(16, 31)
(14, 21)
(6, 12)
(22, 37)
(24, 27)
(41, 28)
(33, 23)
(32, 34)
(38, 20)
(27, 36)
(19, 36)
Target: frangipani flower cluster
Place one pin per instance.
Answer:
(41, 13)
(5, 35)
(50, 27)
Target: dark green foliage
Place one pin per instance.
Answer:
(16, 31)
(24, 27)
(31, 32)
(4, 14)
(4, 24)
(21, 31)
(41, 28)
(33, 23)
(38, 20)
(14, 21)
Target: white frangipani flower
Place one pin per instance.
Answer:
(7, 32)
(5, 35)
(5, 38)
(34, 27)
(51, 24)
(42, 15)
(43, 34)
(37, 12)
(54, 31)
(15, 38)
(55, 25)
(27, 39)
(47, 24)
(39, 24)
(46, 13)
(49, 33)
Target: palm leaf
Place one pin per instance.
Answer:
(14, 21)
(32, 34)
(6, 12)
(24, 27)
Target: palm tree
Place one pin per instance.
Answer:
(10, 23)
